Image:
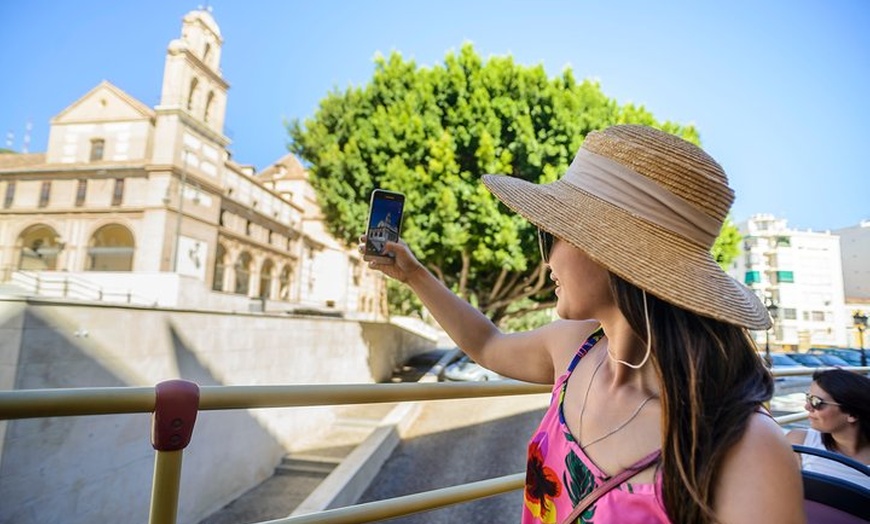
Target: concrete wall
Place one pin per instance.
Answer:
(93, 469)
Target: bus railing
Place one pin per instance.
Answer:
(175, 403)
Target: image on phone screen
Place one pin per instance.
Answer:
(385, 222)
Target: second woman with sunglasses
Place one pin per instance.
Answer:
(838, 403)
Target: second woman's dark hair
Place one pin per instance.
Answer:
(852, 392)
(712, 381)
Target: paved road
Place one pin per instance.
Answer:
(458, 441)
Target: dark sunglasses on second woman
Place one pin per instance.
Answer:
(817, 403)
(545, 244)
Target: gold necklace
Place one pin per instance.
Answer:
(614, 430)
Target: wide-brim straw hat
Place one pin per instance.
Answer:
(646, 205)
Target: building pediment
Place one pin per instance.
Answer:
(104, 103)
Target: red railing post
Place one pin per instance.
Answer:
(172, 426)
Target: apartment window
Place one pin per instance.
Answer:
(10, 194)
(98, 146)
(118, 194)
(789, 313)
(818, 316)
(81, 192)
(45, 193)
(752, 277)
(785, 277)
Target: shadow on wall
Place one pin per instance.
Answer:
(389, 345)
(230, 451)
(92, 469)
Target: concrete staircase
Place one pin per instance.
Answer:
(333, 475)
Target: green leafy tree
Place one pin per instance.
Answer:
(431, 132)
(727, 245)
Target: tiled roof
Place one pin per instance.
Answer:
(293, 169)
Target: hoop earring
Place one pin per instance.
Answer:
(648, 341)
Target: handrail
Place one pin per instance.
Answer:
(408, 504)
(39, 403)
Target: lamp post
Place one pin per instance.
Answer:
(860, 320)
(772, 309)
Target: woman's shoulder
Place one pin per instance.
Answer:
(566, 336)
(762, 452)
(573, 331)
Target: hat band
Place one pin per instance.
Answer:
(635, 193)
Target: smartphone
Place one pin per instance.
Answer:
(385, 223)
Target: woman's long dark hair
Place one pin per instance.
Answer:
(852, 392)
(712, 381)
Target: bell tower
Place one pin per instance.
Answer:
(192, 80)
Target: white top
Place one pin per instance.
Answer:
(824, 466)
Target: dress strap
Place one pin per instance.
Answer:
(588, 345)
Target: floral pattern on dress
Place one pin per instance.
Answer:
(579, 481)
(542, 482)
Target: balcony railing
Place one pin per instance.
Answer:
(175, 403)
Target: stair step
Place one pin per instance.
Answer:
(311, 464)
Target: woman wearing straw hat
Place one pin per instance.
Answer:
(656, 414)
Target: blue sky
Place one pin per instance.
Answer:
(780, 90)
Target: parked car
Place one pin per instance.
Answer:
(833, 360)
(807, 359)
(781, 361)
(466, 369)
(417, 365)
(852, 356)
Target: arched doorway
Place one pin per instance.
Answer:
(111, 248)
(40, 246)
(219, 268)
(243, 273)
(266, 279)
(285, 280)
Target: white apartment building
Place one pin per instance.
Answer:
(150, 200)
(801, 273)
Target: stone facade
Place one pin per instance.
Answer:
(124, 187)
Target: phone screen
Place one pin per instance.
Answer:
(385, 222)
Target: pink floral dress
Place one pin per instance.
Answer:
(559, 473)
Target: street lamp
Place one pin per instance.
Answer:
(860, 320)
(772, 309)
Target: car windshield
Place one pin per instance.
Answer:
(832, 360)
(782, 360)
(807, 360)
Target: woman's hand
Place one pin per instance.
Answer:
(401, 266)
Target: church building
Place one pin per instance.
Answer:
(148, 203)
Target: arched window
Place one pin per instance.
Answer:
(206, 53)
(219, 268)
(190, 96)
(286, 284)
(243, 273)
(111, 248)
(208, 103)
(40, 246)
(266, 279)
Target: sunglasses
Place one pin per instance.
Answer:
(816, 403)
(545, 244)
